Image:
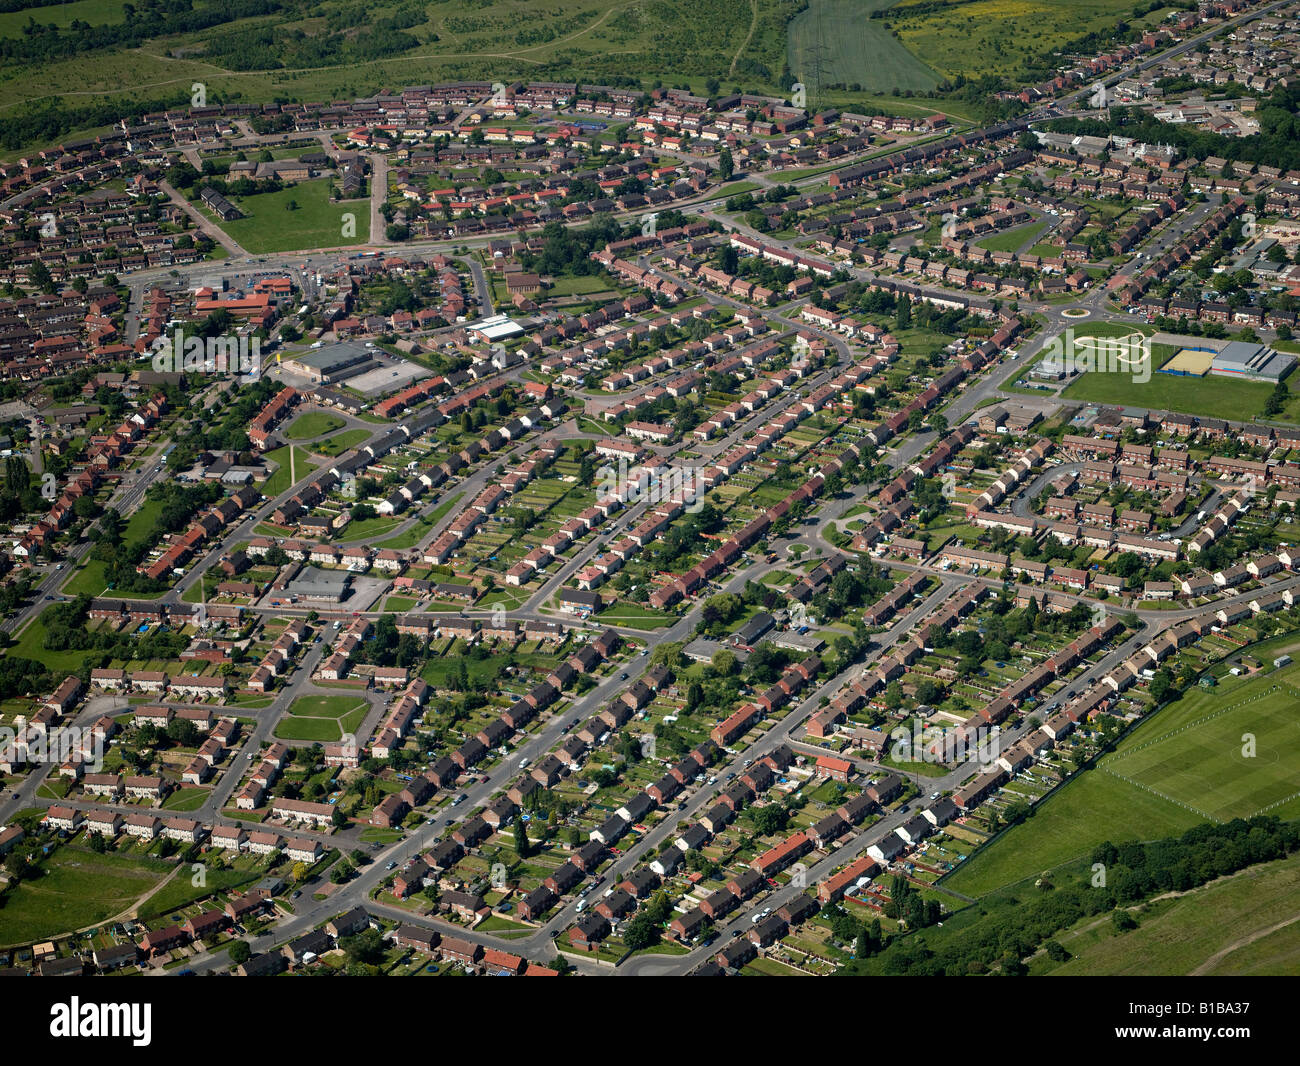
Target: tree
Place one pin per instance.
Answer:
(183, 732)
(723, 662)
(522, 844)
(903, 312)
(640, 932)
(240, 952)
(366, 948)
(300, 871)
(1277, 399)
(726, 166)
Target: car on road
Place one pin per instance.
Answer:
(391, 865)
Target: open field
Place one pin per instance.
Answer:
(297, 216)
(321, 718)
(1214, 396)
(340, 442)
(1011, 240)
(81, 888)
(975, 37)
(1243, 924)
(280, 480)
(1182, 767)
(95, 12)
(834, 42)
(1197, 756)
(303, 53)
(313, 424)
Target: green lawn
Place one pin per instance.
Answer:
(580, 285)
(635, 616)
(1215, 396)
(315, 424)
(409, 538)
(279, 481)
(341, 442)
(89, 578)
(1010, 240)
(80, 888)
(324, 706)
(186, 799)
(31, 645)
(368, 528)
(1198, 757)
(181, 890)
(269, 225)
(322, 718)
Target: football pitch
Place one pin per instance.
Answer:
(1188, 764)
(1222, 760)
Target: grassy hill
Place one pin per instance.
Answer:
(317, 49)
(1245, 924)
(78, 65)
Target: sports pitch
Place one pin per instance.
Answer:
(1191, 362)
(1182, 767)
(1223, 760)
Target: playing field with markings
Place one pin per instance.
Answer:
(1183, 766)
(834, 41)
(1204, 757)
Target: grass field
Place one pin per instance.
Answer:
(270, 225)
(1197, 756)
(635, 617)
(833, 41)
(186, 799)
(307, 56)
(975, 37)
(31, 645)
(1012, 239)
(95, 12)
(314, 424)
(1215, 396)
(1182, 767)
(80, 889)
(322, 718)
(1239, 925)
(90, 578)
(341, 442)
(279, 481)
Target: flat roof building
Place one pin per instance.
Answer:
(332, 363)
(1256, 362)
